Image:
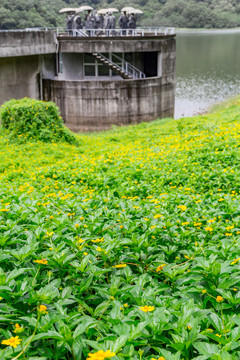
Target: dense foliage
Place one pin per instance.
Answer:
(29, 119)
(179, 13)
(127, 245)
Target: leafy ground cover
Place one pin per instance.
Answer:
(126, 247)
(30, 119)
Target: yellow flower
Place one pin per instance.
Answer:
(208, 228)
(43, 309)
(157, 216)
(97, 240)
(219, 299)
(189, 327)
(13, 341)
(100, 355)
(160, 358)
(197, 224)
(18, 329)
(77, 225)
(146, 308)
(120, 266)
(235, 261)
(160, 267)
(182, 207)
(42, 261)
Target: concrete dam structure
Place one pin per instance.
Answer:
(97, 79)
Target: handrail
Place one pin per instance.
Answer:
(144, 31)
(140, 31)
(128, 68)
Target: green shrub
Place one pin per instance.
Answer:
(29, 119)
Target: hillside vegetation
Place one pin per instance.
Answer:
(179, 13)
(126, 247)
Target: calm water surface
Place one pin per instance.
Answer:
(207, 69)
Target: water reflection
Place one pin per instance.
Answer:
(207, 70)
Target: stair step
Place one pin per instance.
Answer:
(113, 66)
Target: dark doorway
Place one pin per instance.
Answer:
(151, 64)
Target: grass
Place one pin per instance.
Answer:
(127, 243)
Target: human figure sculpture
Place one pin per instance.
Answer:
(132, 22)
(99, 19)
(112, 23)
(106, 23)
(123, 22)
(69, 23)
(90, 21)
(76, 24)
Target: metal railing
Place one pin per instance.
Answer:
(141, 31)
(145, 31)
(125, 66)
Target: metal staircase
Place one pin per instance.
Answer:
(120, 66)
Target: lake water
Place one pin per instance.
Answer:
(207, 69)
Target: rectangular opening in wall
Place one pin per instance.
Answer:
(151, 64)
(89, 65)
(89, 59)
(128, 57)
(103, 70)
(89, 70)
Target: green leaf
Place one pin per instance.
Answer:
(82, 327)
(216, 321)
(206, 349)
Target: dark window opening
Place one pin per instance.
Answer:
(151, 64)
(90, 70)
(89, 58)
(128, 57)
(103, 70)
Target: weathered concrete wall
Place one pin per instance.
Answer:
(96, 105)
(22, 43)
(18, 78)
(168, 53)
(116, 44)
(72, 66)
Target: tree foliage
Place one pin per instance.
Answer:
(190, 14)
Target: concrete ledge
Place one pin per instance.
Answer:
(22, 43)
(114, 44)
